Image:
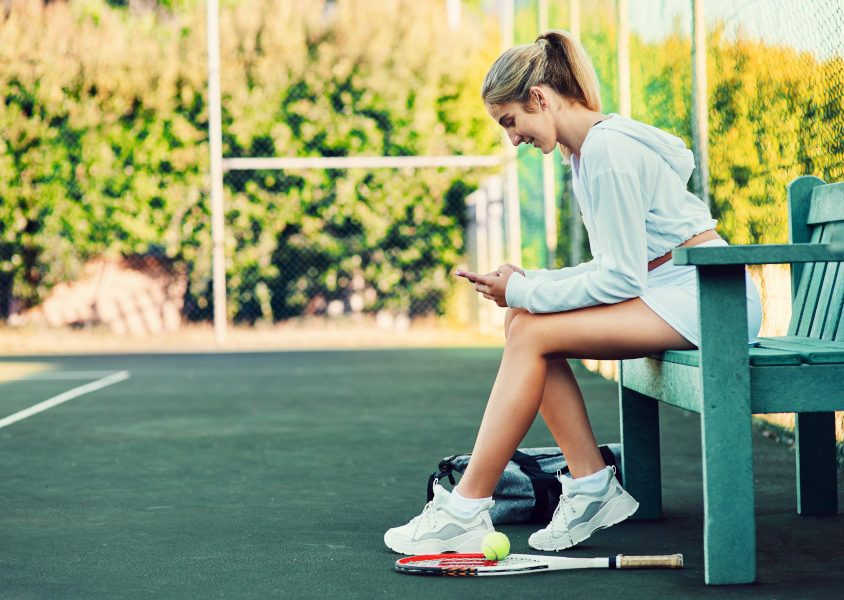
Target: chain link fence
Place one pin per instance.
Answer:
(382, 241)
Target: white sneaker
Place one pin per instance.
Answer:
(438, 530)
(581, 514)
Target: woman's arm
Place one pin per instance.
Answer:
(622, 271)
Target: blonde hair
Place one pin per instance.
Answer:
(555, 59)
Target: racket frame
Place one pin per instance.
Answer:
(477, 565)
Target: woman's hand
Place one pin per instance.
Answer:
(493, 285)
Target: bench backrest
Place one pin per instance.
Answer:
(817, 289)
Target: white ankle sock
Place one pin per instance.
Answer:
(592, 483)
(464, 507)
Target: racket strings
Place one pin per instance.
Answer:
(462, 562)
(457, 563)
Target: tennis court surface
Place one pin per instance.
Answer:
(275, 475)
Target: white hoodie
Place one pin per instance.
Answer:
(630, 182)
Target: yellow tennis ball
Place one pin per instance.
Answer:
(496, 546)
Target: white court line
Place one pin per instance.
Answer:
(69, 395)
(54, 375)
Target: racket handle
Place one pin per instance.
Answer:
(671, 561)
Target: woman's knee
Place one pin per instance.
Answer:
(511, 314)
(528, 333)
(523, 328)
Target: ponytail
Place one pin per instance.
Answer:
(555, 59)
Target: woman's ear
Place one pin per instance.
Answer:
(541, 98)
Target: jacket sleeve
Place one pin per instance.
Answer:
(565, 273)
(622, 269)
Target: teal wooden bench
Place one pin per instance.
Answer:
(725, 382)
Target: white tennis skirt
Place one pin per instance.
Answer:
(672, 294)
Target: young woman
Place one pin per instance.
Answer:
(629, 301)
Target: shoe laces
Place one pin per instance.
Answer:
(427, 515)
(560, 510)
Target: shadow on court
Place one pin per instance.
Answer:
(275, 475)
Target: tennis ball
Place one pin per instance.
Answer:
(496, 546)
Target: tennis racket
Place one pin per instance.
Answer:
(476, 565)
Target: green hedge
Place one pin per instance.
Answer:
(103, 148)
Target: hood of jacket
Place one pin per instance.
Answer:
(670, 147)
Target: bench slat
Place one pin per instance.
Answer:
(835, 304)
(811, 302)
(823, 308)
(807, 388)
(811, 354)
(799, 197)
(759, 357)
(769, 357)
(803, 288)
(804, 341)
(827, 204)
(839, 335)
(690, 358)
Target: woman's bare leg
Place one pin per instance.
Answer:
(532, 376)
(564, 411)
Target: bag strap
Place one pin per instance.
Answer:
(543, 483)
(609, 460)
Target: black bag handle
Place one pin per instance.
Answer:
(445, 471)
(609, 460)
(543, 483)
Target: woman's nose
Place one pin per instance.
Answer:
(516, 139)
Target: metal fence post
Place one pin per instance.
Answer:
(215, 139)
(624, 104)
(575, 228)
(700, 109)
(453, 9)
(513, 223)
(549, 192)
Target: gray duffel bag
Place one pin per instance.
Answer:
(528, 491)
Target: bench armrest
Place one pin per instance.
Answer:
(762, 254)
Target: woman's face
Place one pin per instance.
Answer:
(532, 128)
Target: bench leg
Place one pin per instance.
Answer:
(640, 466)
(729, 534)
(817, 476)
